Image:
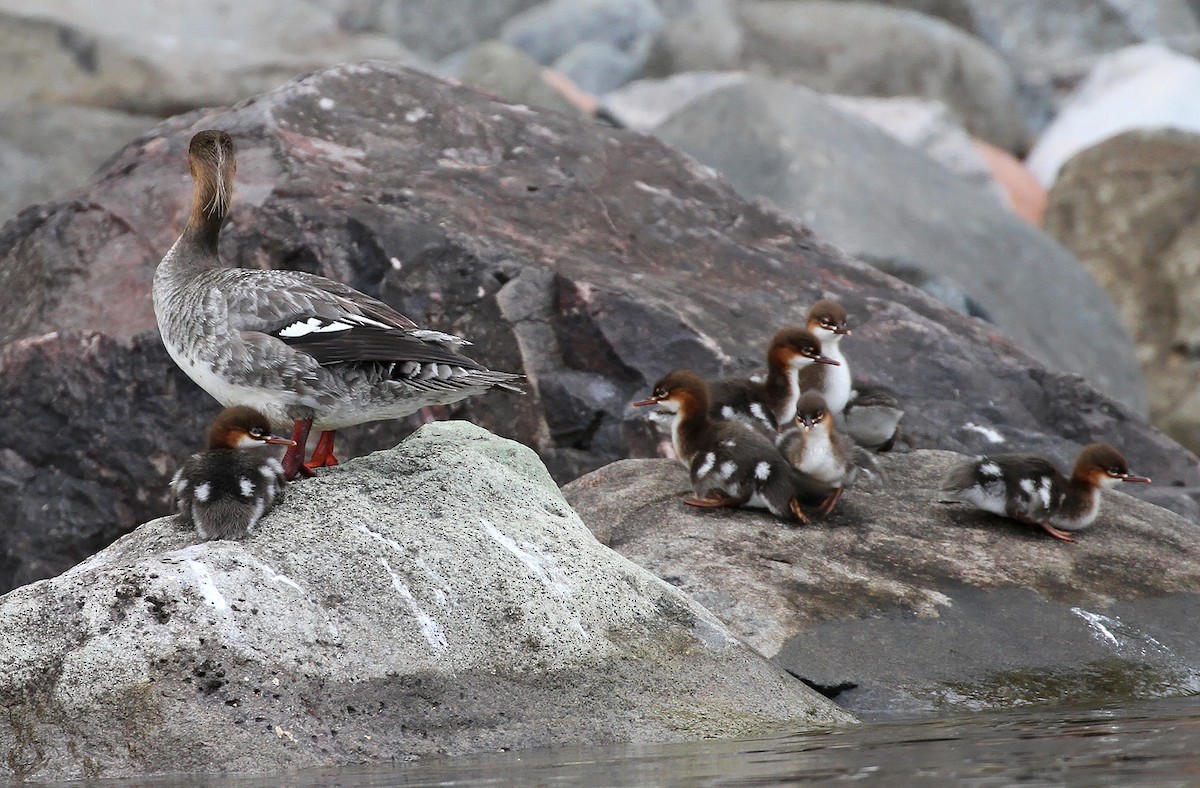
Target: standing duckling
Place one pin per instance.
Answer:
(828, 322)
(771, 402)
(817, 450)
(225, 490)
(730, 463)
(1029, 489)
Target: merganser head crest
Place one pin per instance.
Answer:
(213, 164)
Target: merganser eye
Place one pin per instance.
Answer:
(255, 432)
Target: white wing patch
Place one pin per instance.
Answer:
(1027, 486)
(707, 464)
(756, 410)
(202, 491)
(314, 325)
(762, 471)
(727, 468)
(990, 470)
(247, 487)
(727, 413)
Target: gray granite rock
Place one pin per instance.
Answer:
(598, 66)
(432, 29)
(872, 50)
(548, 31)
(513, 76)
(46, 149)
(899, 604)
(1127, 208)
(104, 55)
(437, 598)
(700, 35)
(841, 177)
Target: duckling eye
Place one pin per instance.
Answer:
(256, 432)
(819, 415)
(1114, 471)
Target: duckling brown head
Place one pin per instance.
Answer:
(213, 164)
(681, 391)
(242, 427)
(796, 347)
(811, 410)
(827, 317)
(1102, 465)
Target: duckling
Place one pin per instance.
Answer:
(1030, 489)
(828, 322)
(816, 449)
(225, 490)
(770, 402)
(730, 463)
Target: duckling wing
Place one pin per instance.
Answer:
(334, 323)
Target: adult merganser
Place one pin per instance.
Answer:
(1031, 490)
(828, 322)
(817, 450)
(730, 463)
(770, 402)
(224, 491)
(302, 349)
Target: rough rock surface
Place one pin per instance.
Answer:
(591, 259)
(511, 74)
(898, 604)
(438, 598)
(841, 176)
(1127, 208)
(870, 50)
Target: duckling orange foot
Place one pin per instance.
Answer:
(1056, 533)
(801, 517)
(831, 501)
(715, 500)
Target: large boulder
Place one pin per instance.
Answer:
(899, 604)
(869, 49)
(438, 598)
(591, 259)
(1127, 207)
(871, 195)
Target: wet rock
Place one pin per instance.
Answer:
(46, 149)
(1127, 208)
(90, 54)
(839, 176)
(438, 598)
(898, 604)
(872, 50)
(1142, 87)
(593, 260)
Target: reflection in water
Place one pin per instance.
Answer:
(1154, 743)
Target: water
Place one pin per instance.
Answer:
(1154, 743)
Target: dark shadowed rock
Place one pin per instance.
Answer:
(871, 195)
(591, 259)
(899, 604)
(438, 598)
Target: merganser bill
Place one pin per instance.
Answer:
(729, 462)
(771, 402)
(1030, 489)
(303, 350)
(828, 322)
(816, 449)
(224, 491)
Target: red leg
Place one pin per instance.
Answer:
(322, 456)
(1056, 533)
(293, 459)
(714, 500)
(801, 517)
(830, 502)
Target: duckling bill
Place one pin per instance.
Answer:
(225, 490)
(730, 464)
(1030, 489)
